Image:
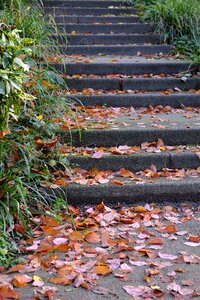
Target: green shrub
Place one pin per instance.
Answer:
(30, 101)
(12, 73)
(28, 17)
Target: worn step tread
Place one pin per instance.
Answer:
(83, 3)
(107, 39)
(128, 65)
(128, 126)
(107, 28)
(137, 161)
(116, 49)
(95, 19)
(150, 190)
(134, 84)
(87, 11)
(164, 98)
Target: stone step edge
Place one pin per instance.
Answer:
(116, 49)
(135, 84)
(138, 161)
(107, 39)
(174, 191)
(99, 11)
(175, 100)
(130, 136)
(125, 68)
(81, 19)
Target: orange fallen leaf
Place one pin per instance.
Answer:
(7, 292)
(92, 237)
(76, 236)
(139, 209)
(117, 182)
(155, 241)
(16, 268)
(125, 173)
(60, 279)
(102, 270)
(21, 280)
(169, 229)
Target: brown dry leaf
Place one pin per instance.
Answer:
(92, 237)
(16, 268)
(76, 236)
(139, 209)
(21, 280)
(125, 173)
(7, 292)
(101, 270)
(169, 229)
(117, 182)
(155, 241)
(60, 279)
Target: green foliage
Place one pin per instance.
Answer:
(12, 73)
(28, 17)
(178, 20)
(30, 102)
(8, 250)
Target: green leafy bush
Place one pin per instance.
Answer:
(28, 17)
(12, 73)
(30, 101)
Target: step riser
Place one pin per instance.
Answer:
(132, 137)
(107, 28)
(118, 50)
(138, 162)
(177, 192)
(90, 19)
(88, 11)
(123, 68)
(91, 3)
(140, 84)
(111, 39)
(176, 101)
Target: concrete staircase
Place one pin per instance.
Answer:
(134, 93)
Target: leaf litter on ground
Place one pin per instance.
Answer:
(107, 242)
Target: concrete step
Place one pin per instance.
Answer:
(107, 28)
(79, 11)
(155, 190)
(83, 3)
(138, 84)
(110, 39)
(102, 65)
(138, 161)
(95, 19)
(116, 49)
(175, 127)
(176, 100)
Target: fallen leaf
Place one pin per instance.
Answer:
(76, 236)
(101, 270)
(21, 280)
(92, 237)
(98, 154)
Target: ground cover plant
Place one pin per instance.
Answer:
(178, 20)
(28, 102)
